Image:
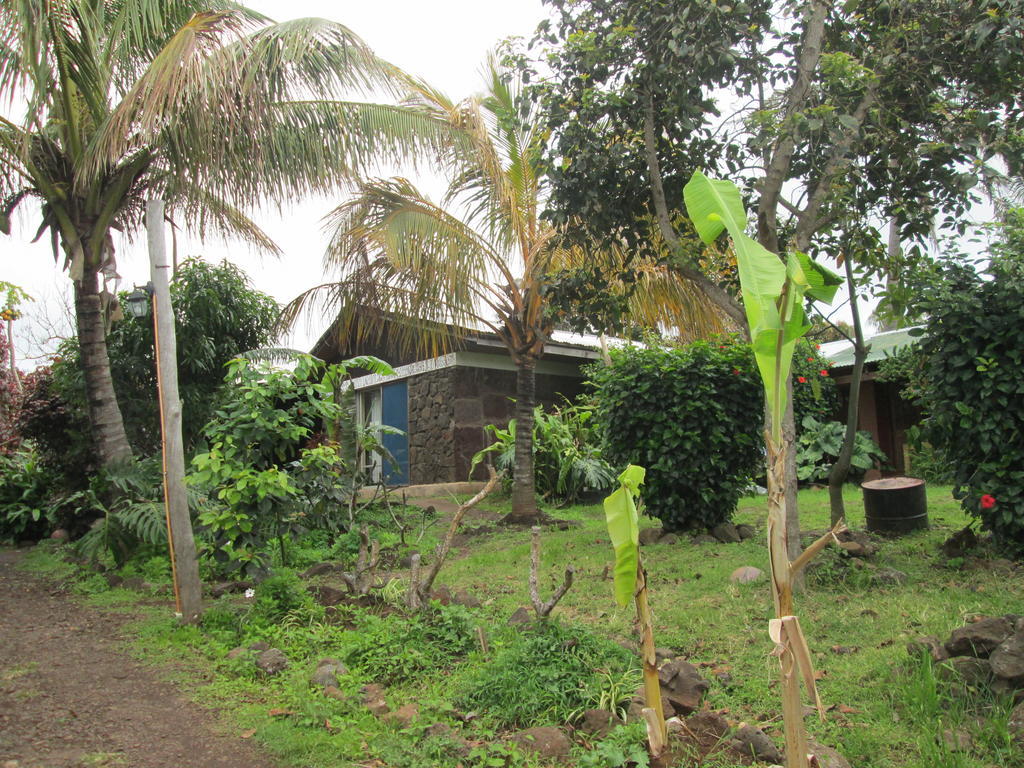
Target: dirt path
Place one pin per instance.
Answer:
(69, 698)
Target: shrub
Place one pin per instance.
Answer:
(818, 448)
(25, 511)
(544, 675)
(973, 391)
(567, 460)
(277, 596)
(693, 417)
(52, 414)
(396, 648)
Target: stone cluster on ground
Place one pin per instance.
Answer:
(985, 654)
(725, 533)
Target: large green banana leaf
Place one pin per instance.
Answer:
(624, 529)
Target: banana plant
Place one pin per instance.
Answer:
(623, 518)
(774, 291)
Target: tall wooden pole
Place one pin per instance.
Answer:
(186, 572)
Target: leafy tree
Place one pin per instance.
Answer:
(261, 473)
(218, 316)
(970, 385)
(831, 114)
(203, 103)
(480, 259)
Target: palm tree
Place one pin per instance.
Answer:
(200, 102)
(479, 260)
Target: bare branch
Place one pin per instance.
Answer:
(423, 590)
(542, 609)
(782, 156)
(809, 554)
(716, 295)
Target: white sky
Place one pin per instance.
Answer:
(443, 41)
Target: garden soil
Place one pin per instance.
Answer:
(71, 698)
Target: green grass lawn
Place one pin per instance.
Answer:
(886, 710)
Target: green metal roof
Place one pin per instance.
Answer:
(881, 345)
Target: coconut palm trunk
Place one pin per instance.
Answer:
(108, 433)
(524, 500)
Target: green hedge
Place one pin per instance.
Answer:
(694, 417)
(973, 389)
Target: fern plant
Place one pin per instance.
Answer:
(129, 496)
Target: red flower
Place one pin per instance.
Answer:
(817, 346)
(736, 371)
(810, 359)
(801, 379)
(823, 372)
(987, 501)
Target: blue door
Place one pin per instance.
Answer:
(395, 413)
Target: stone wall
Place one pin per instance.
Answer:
(485, 396)
(431, 427)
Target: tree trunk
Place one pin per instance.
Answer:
(841, 469)
(188, 588)
(105, 419)
(524, 499)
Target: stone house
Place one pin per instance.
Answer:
(442, 403)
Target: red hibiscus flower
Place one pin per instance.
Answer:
(987, 501)
(823, 372)
(810, 359)
(801, 379)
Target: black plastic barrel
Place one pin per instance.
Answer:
(895, 505)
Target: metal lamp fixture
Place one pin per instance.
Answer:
(139, 301)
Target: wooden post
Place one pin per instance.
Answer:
(183, 548)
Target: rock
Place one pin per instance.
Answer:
(320, 569)
(890, 577)
(703, 538)
(406, 562)
(707, 723)
(663, 654)
(564, 525)
(726, 533)
(598, 722)
(403, 717)
(326, 596)
(547, 742)
(960, 543)
(259, 646)
(746, 531)
(522, 615)
(271, 661)
(464, 598)
(333, 692)
(826, 756)
(438, 731)
(753, 742)
(958, 740)
(1007, 659)
(966, 673)
(746, 574)
(442, 594)
(1015, 724)
(136, 583)
(113, 580)
(650, 535)
(928, 644)
(327, 671)
(980, 638)
(639, 701)
(373, 699)
(60, 535)
(682, 685)
(669, 538)
(857, 543)
(234, 653)
(229, 588)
